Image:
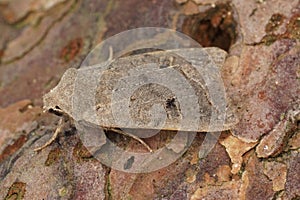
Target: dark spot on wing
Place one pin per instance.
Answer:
(129, 163)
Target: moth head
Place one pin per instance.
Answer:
(59, 99)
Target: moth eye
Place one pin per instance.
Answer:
(56, 111)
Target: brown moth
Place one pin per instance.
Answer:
(121, 93)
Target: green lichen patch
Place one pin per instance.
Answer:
(16, 191)
(293, 27)
(269, 39)
(53, 157)
(275, 21)
(81, 153)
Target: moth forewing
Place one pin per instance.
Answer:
(122, 72)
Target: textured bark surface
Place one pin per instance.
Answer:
(257, 159)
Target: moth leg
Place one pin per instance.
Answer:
(133, 137)
(54, 136)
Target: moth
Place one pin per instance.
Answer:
(160, 90)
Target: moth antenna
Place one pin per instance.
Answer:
(54, 136)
